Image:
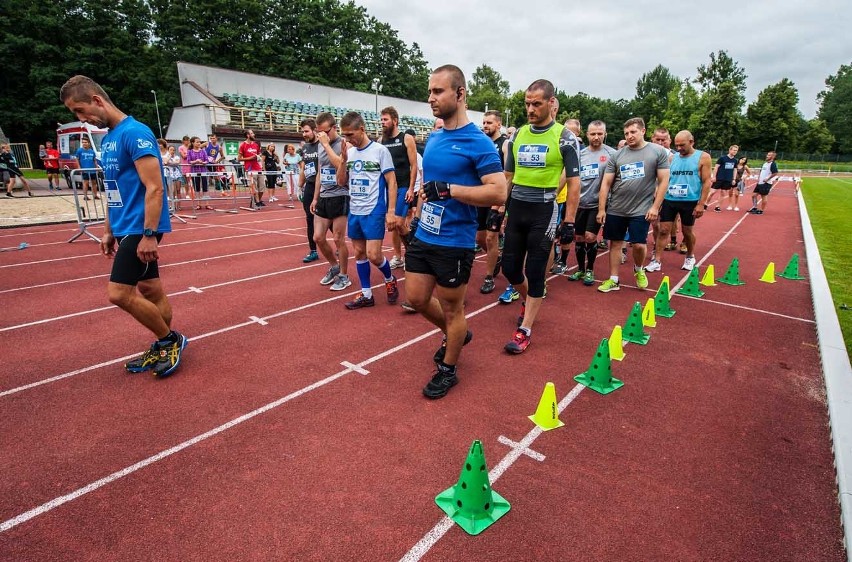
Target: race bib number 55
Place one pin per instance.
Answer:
(430, 218)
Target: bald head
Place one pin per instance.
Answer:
(684, 143)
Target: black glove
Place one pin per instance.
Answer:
(415, 222)
(565, 232)
(494, 220)
(436, 190)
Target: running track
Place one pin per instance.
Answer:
(295, 430)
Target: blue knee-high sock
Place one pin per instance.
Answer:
(363, 267)
(385, 269)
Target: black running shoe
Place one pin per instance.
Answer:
(144, 362)
(170, 356)
(487, 286)
(392, 290)
(442, 381)
(442, 351)
(361, 302)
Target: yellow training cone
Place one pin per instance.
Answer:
(709, 279)
(616, 345)
(668, 285)
(547, 414)
(769, 275)
(649, 317)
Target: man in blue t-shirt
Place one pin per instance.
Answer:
(461, 171)
(723, 177)
(133, 176)
(88, 162)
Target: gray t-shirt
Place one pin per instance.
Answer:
(632, 190)
(328, 173)
(592, 167)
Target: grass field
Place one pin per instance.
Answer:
(829, 202)
(813, 165)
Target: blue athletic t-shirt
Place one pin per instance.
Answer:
(85, 157)
(684, 178)
(129, 141)
(459, 156)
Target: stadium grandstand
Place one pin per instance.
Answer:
(226, 102)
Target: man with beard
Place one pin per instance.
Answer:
(490, 219)
(307, 179)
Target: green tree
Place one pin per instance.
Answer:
(486, 88)
(721, 68)
(817, 138)
(718, 125)
(652, 92)
(685, 108)
(772, 118)
(836, 107)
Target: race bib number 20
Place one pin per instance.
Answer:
(632, 171)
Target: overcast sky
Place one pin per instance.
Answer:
(564, 41)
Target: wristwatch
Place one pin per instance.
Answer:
(148, 233)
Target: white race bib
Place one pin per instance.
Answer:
(678, 190)
(532, 155)
(328, 176)
(359, 187)
(632, 171)
(113, 195)
(430, 218)
(589, 171)
(310, 169)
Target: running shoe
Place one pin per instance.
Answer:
(602, 245)
(653, 265)
(718, 209)
(688, 263)
(736, 208)
(641, 279)
(559, 268)
(330, 275)
(442, 351)
(487, 286)
(170, 356)
(682, 248)
(729, 208)
(519, 342)
(341, 283)
(442, 381)
(273, 199)
(523, 313)
(396, 263)
(576, 276)
(312, 256)
(509, 296)
(406, 306)
(589, 278)
(144, 362)
(758, 212)
(609, 285)
(670, 246)
(361, 302)
(752, 210)
(392, 290)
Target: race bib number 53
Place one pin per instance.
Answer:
(532, 155)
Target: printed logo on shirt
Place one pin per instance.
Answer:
(144, 144)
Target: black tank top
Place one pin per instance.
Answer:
(498, 144)
(399, 154)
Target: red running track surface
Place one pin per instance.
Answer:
(716, 448)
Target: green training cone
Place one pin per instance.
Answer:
(792, 269)
(471, 502)
(691, 288)
(598, 377)
(633, 330)
(732, 276)
(662, 303)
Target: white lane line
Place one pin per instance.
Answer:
(56, 502)
(535, 455)
(355, 368)
(258, 320)
(710, 252)
(195, 289)
(760, 310)
(445, 524)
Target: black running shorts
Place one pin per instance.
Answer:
(127, 268)
(671, 209)
(449, 266)
(333, 207)
(585, 221)
(763, 188)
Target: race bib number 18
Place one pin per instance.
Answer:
(358, 187)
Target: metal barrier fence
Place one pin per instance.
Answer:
(21, 152)
(91, 211)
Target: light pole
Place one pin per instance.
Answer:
(377, 87)
(157, 105)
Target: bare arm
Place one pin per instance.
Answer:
(392, 222)
(411, 149)
(491, 192)
(151, 176)
(706, 180)
(606, 184)
(662, 186)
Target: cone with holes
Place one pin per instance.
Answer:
(732, 276)
(471, 502)
(616, 345)
(598, 377)
(668, 285)
(709, 279)
(633, 330)
(768, 273)
(690, 288)
(661, 301)
(792, 269)
(649, 318)
(547, 414)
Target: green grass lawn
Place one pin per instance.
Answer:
(35, 174)
(812, 165)
(829, 202)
